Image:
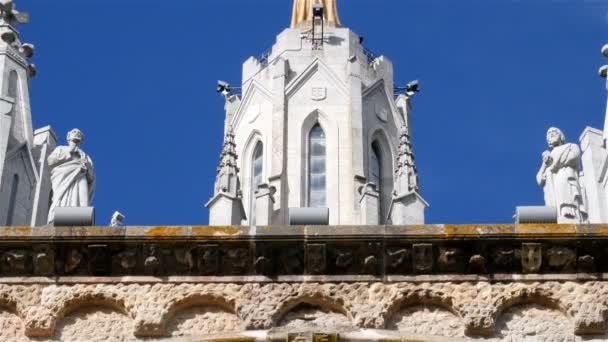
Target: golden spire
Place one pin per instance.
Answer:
(302, 12)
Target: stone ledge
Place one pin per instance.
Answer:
(368, 253)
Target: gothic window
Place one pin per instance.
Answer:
(375, 176)
(12, 201)
(257, 177)
(317, 175)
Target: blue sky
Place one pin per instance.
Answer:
(138, 77)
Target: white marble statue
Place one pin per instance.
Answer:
(302, 11)
(72, 175)
(559, 178)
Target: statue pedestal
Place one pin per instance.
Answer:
(225, 210)
(74, 216)
(407, 209)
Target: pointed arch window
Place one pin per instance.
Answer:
(375, 176)
(10, 215)
(317, 168)
(257, 176)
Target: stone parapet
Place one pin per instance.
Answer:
(368, 283)
(382, 253)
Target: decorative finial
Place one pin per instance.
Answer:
(10, 15)
(303, 12)
(227, 172)
(406, 175)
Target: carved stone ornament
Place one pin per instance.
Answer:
(183, 257)
(422, 257)
(531, 257)
(318, 93)
(152, 261)
(343, 258)
(586, 263)
(381, 112)
(450, 259)
(14, 261)
(478, 264)
(397, 259)
(561, 258)
(98, 259)
(208, 259)
(290, 261)
(127, 260)
(72, 261)
(316, 258)
(263, 262)
(44, 261)
(503, 257)
(235, 260)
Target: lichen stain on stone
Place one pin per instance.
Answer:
(16, 231)
(215, 230)
(507, 229)
(161, 231)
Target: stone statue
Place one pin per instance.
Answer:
(559, 178)
(302, 12)
(72, 175)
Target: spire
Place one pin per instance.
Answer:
(303, 12)
(604, 74)
(227, 172)
(406, 175)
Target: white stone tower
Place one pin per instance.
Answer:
(24, 183)
(318, 125)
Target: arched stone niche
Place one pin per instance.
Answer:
(11, 326)
(534, 322)
(427, 319)
(94, 323)
(305, 316)
(198, 320)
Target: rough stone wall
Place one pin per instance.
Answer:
(513, 311)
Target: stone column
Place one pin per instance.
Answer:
(278, 179)
(6, 107)
(45, 142)
(264, 204)
(593, 159)
(369, 202)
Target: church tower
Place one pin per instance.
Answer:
(318, 125)
(24, 184)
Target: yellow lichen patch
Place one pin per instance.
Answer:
(215, 230)
(161, 231)
(16, 231)
(540, 228)
(235, 339)
(478, 229)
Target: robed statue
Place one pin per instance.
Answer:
(559, 178)
(72, 175)
(302, 12)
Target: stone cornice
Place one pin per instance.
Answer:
(343, 253)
